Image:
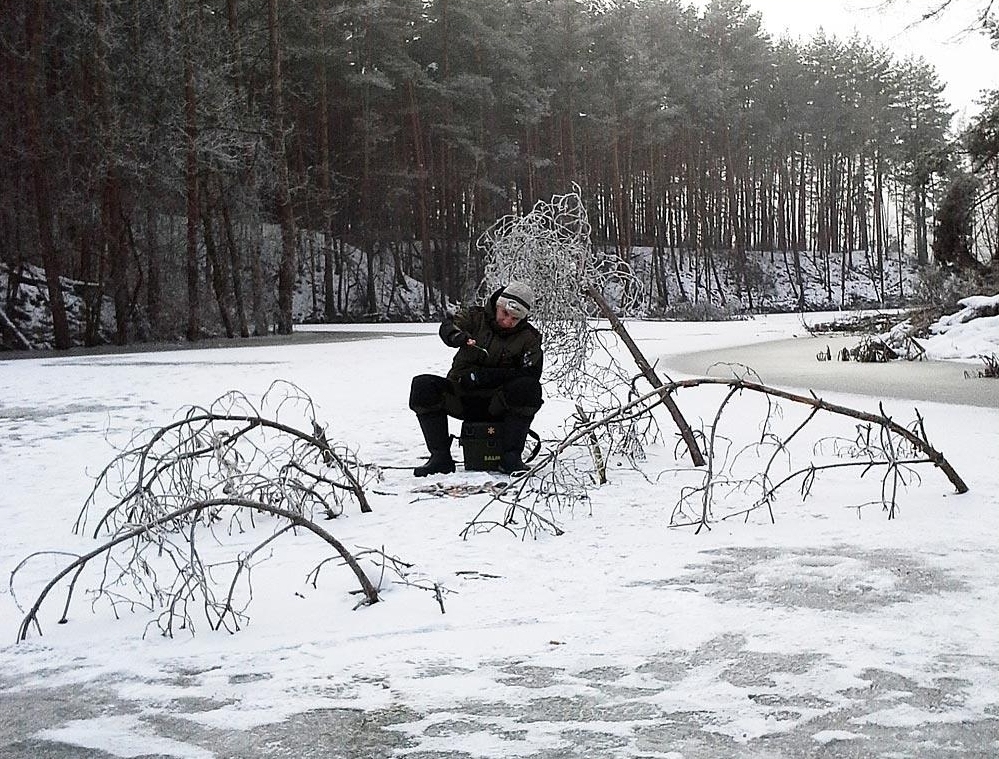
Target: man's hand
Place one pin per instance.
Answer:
(485, 378)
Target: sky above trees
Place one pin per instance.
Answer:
(965, 62)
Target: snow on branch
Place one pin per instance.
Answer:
(550, 249)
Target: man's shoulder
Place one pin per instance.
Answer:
(532, 330)
(466, 314)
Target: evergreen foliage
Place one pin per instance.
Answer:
(182, 158)
(954, 229)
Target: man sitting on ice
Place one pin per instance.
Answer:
(495, 376)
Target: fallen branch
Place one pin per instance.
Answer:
(179, 594)
(7, 323)
(175, 489)
(918, 441)
(229, 448)
(542, 486)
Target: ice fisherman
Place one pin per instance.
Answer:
(495, 376)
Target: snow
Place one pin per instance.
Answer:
(977, 339)
(124, 735)
(978, 335)
(623, 637)
(829, 736)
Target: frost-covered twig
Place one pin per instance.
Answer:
(573, 281)
(230, 447)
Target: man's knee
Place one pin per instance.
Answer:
(426, 393)
(523, 391)
(521, 396)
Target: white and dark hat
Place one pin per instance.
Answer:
(517, 298)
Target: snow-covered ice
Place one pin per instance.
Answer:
(832, 632)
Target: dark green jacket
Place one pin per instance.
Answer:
(508, 353)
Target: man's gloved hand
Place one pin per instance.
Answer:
(458, 338)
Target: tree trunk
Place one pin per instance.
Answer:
(325, 190)
(191, 178)
(801, 228)
(261, 303)
(738, 239)
(112, 213)
(235, 268)
(422, 207)
(286, 214)
(369, 289)
(879, 225)
(650, 375)
(154, 277)
(219, 267)
(34, 26)
(919, 227)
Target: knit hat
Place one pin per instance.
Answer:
(517, 298)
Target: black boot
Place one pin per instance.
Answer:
(438, 441)
(515, 430)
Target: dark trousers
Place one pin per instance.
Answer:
(520, 396)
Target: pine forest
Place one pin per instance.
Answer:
(188, 165)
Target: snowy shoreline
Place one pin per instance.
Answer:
(777, 349)
(793, 363)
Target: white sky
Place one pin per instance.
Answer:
(965, 63)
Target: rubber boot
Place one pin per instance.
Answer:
(515, 430)
(435, 433)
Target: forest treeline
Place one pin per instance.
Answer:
(177, 157)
